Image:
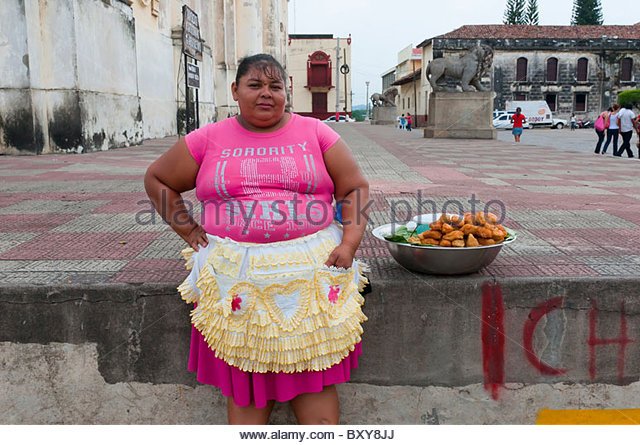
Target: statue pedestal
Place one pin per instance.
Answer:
(384, 116)
(460, 115)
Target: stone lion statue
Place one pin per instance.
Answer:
(467, 69)
(386, 99)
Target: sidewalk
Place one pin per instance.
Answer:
(71, 219)
(92, 329)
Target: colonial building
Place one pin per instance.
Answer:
(408, 74)
(388, 77)
(83, 75)
(577, 69)
(319, 67)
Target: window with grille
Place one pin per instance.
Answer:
(552, 100)
(552, 69)
(519, 96)
(582, 70)
(521, 69)
(319, 70)
(580, 102)
(626, 69)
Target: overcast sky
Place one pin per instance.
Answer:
(381, 28)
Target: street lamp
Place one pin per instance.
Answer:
(367, 102)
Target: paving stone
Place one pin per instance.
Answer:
(74, 265)
(51, 206)
(72, 218)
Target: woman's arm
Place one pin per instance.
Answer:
(166, 178)
(352, 189)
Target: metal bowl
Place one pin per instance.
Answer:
(438, 260)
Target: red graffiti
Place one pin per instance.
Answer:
(492, 338)
(529, 328)
(622, 340)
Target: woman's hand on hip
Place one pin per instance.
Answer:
(342, 256)
(195, 236)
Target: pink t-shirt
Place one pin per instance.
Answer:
(263, 187)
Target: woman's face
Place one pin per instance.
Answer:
(261, 99)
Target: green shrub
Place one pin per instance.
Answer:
(629, 97)
(358, 115)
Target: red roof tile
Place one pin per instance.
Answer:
(543, 32)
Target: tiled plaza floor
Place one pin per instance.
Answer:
(74, 219)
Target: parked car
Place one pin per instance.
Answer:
(498, 113)
(343, 118)
(537, 112)
(503, 122)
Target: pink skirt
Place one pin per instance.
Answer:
(252, 388)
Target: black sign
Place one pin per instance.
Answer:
(191, 42)
(193, 75)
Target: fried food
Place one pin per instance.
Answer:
(468, 230)
(483, 232)
(455, 235)
(472, 241)
(447, 228)
(435, 234)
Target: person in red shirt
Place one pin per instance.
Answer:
(518, 119)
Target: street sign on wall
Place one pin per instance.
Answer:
(193, 75)
(191, 42)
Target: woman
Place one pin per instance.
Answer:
(613, 130)
(518, 121)
(277, 313)
(574, 124)
(600, 129)
(409, 121)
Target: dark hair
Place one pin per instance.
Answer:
(263, 62)
(610, 109)
(518, 110)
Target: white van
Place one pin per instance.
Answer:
(537, 113)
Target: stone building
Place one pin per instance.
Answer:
(316, 77)
(84, 75)
(577, 69)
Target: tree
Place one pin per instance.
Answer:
(629, 97)
(532, 16)
(514, 14)
(587, 12)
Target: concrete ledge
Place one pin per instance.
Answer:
(469, 133)
(428, 332)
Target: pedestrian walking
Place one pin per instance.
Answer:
(627, 125)
(409, 121)
(601, 125)
(277, 313)
(613, 130)
(518, 119)
(403, 122)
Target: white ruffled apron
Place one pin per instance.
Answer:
(276, 307)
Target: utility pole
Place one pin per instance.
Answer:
(346, 92)
(338, 80)
(366, 118)
(415, 95)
